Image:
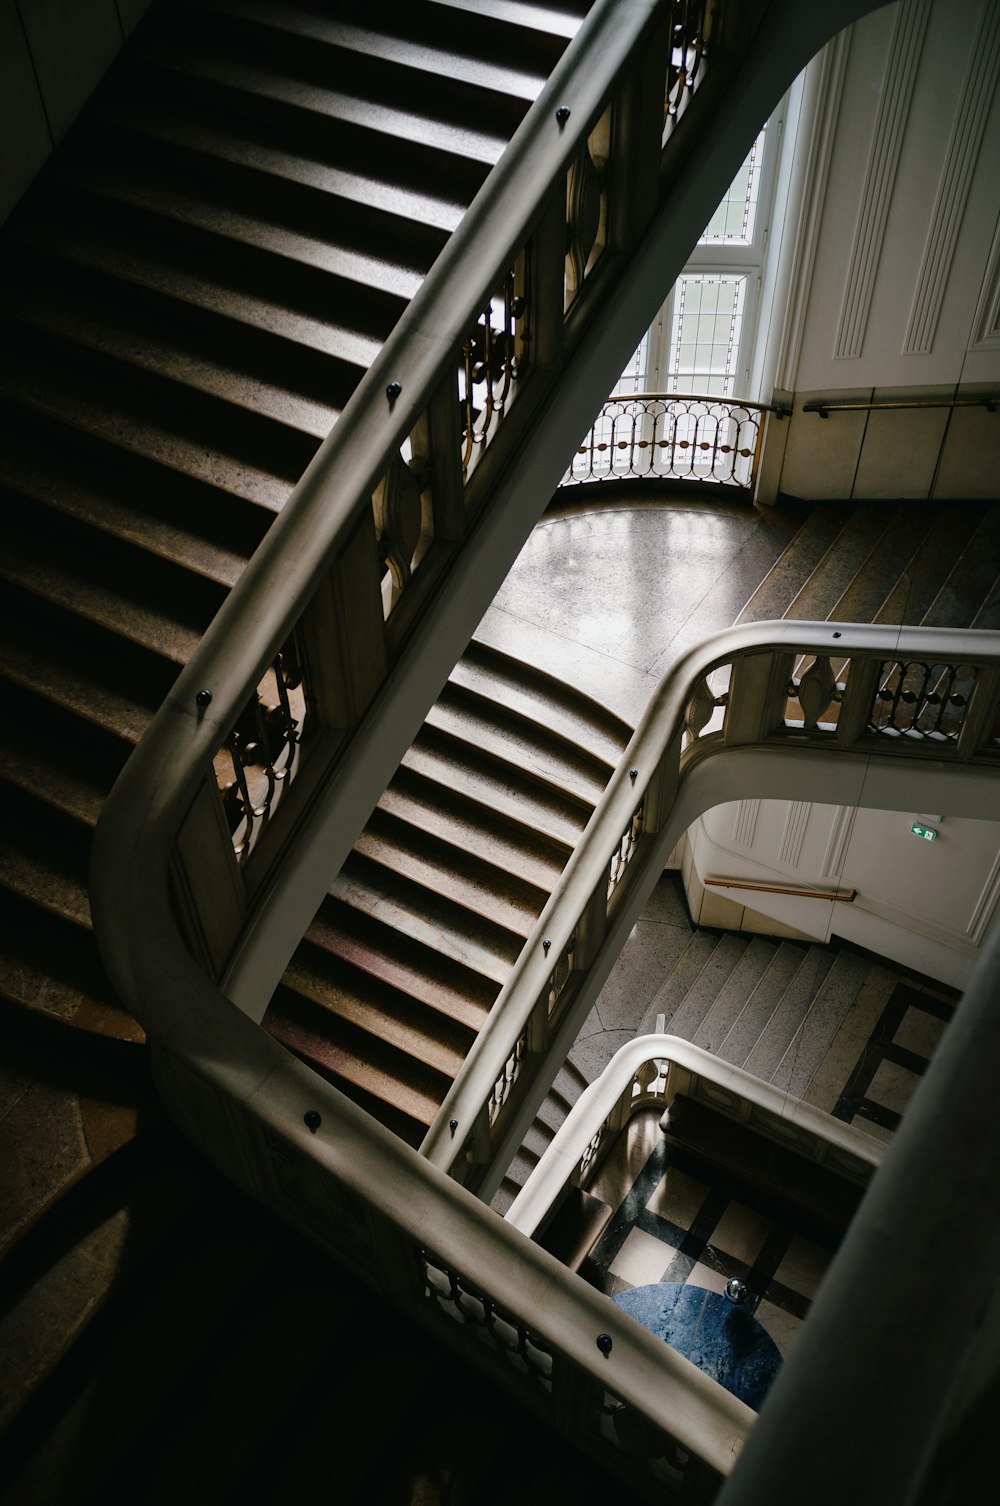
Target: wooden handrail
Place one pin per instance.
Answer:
(843, 896)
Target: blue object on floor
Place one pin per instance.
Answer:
(715, 1334)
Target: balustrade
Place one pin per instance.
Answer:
(851, 699)
(672, 436)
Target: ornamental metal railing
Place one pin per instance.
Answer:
(673, 436)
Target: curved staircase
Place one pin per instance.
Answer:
(421, 928)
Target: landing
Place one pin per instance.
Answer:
(608, 599)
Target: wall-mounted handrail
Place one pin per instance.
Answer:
(801, 891)
(852, 405)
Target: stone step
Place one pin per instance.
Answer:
(422, 915)
(441, 812)
(910, 599)
(764, 1052)
(973, 577)
(682, 976)
(886, 564)
(820, 1024)
(748, 1026)
(428, 976)
(393, 1084)
(735, 994)
(347, 998)
(831, 576)
(490, 782)
(485, 890)
(719, 968)
(553, 762)
(783, 582)
(542, 700)
(404, 65)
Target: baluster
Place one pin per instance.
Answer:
(815, 691)
(981, 712)
(700, 710)
(859, 693)
(757, 695)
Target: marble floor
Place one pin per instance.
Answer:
(657, 578)
(681, 1220)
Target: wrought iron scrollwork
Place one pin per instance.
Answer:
(259, 756)
(922, 700)
(661, 436)
(491, 364)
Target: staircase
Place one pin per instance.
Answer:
(421, 928)
(188, 297)
(774, 1008)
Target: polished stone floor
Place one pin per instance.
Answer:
(608, 597)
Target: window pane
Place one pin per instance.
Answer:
(732, 224)
(705, 333)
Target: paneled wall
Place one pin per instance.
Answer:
(52, 55)
(896, 275)
(927, 905)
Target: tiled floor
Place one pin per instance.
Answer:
(682, 1220)
(679, 1219)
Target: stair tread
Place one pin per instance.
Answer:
(479, 146)
(70, 684)
(37, 876)
(141, 343)
(933, 558)
(820, 1025)
(491, 892)
(532, 749)
(197, 133)
(402, 964)
(832, 574)
(163, 195)
(54, 580)
(369, 42)
(118, 419)
(140, 264)
(372, 1068)
(732, 1029)
(974, 574)
(52, 775)
(704, 989)
(763, 1051)
(682, 975)
(888, 559)
(428, 918)
(734, 994)
(594, 730)
(414, 800)
(491, 784)
(782, 583)
(98, 500)
(430, 1039)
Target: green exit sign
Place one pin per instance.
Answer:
(927, 832)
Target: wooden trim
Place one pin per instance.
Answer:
(845, 896)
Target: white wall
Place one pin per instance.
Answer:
(896, 271)
(925, 904)
(53, 53)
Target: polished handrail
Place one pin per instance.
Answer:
(800, 891)
(852, 405)
(677, 1062)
